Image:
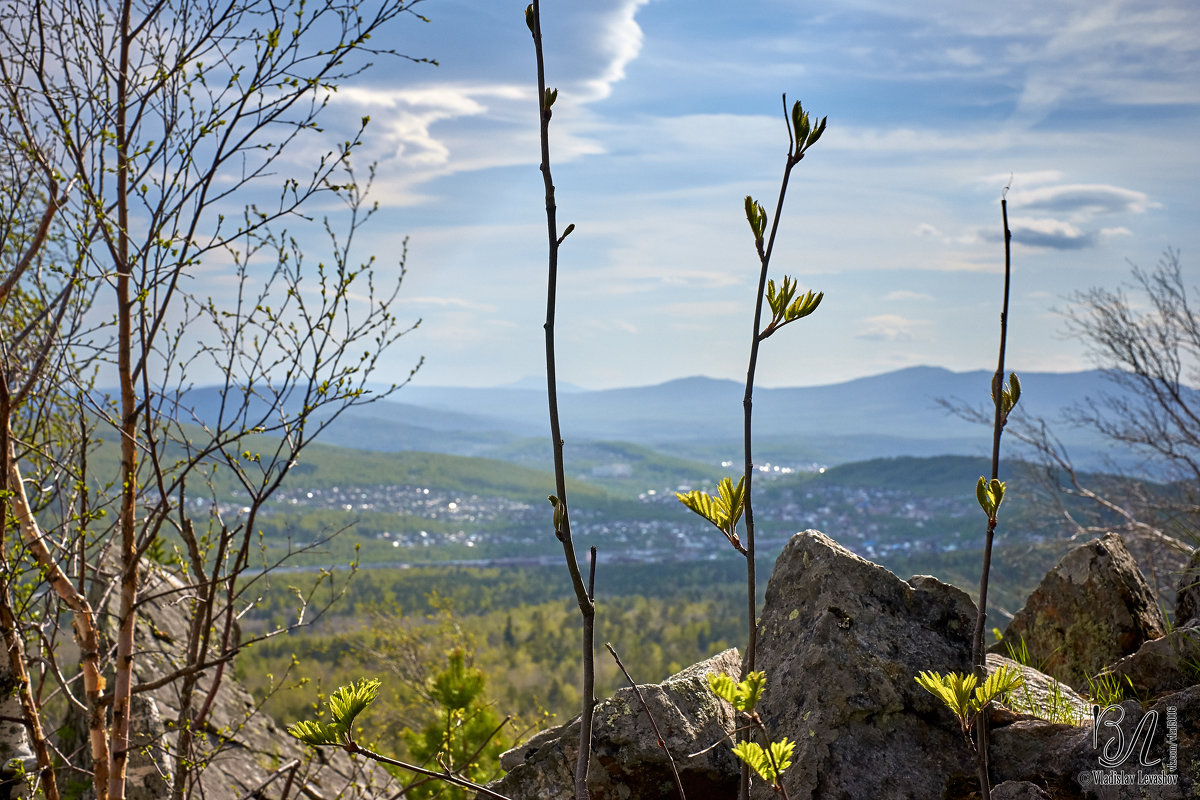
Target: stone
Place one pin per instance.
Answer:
(1019, 790)
(1064, 760)
(1041, 695)
(1187, 594)
(1093, 608)
(627, 761)
(245, 753)
(841, 641)
(1167, 664)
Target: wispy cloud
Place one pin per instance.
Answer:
(894, 328)
(1083, 201)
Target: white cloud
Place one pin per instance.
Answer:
(621, 37)
(1045, 232)
(1082, 201)
(894, 328)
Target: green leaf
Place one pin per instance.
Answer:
(349, 701)
(742, 695)
(315, 733)
(723, 687)
(768, 767)
(344, 705)
(530, 22)
(983, 496)
(815, 135)
(999, 683)
(756, 215)
(752, 753)
(781, 753)
(724, 511)
(953, 689)
(803, 306)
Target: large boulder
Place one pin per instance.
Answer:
(1064, 760)
(1040, 695)
(841, 641)
(627, 761)
(1187, 593)
(243, 751)
(1168, 664)
(1092, 609)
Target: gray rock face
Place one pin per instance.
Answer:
(1187, 593)
(1092, 609)
(1019, 790)
(1043, 696)
(841, 641)
(626, 759)
(1167, 664)
(244, 752)
(1064, 760)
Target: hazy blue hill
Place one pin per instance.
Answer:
(700, 418)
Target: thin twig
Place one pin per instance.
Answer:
(657, 733)
(584, 597)
(353, 748)
(977, 654)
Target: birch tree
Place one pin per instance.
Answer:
(161, 158)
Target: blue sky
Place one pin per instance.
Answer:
(669, 113)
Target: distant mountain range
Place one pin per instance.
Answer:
(893, 414)
(700, 419)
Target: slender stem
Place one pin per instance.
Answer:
(653, 724)
(583, 596)
(977, 655)
(123, 672)
(354, 748)
(764, 259)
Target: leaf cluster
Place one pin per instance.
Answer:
(724, 510)
(990, 495)
(769, 763)
(805, 134)
(964, 697)
(1008, 396)
(786, 306)
(346, 703)
(742, 695)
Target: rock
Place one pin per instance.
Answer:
(244, 753)
(1187, 593)
(1041, 695)
(1019, 790)
(841, 641)
(626, 759)
(1065, 761)
(1092, 609)
(1167, 664)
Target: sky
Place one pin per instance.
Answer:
(669, 113)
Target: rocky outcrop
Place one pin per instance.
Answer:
(841, 641)
(627, 761)
(1092, 609)
(1167, 664)
(1064, 760)
(243, 752)
(1187, 594)
(1019, 790)
(1041, 695)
